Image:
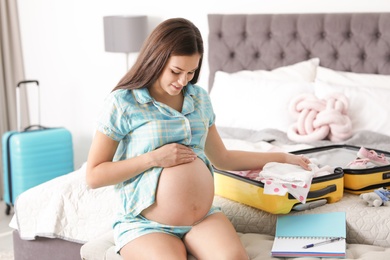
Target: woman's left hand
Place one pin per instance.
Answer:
(300, 160)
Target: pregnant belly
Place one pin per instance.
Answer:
(184, 195)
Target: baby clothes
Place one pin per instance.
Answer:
(280, 178)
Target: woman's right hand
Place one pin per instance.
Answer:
(173, 154)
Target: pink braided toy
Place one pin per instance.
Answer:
(318, 119)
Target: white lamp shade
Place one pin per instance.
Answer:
(124, 33)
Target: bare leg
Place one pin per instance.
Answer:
(215, 238)
(157, 246)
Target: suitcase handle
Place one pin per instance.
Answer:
(322, 192)
(18, 105)
(318, 193)
(27, 81)
(38, 127)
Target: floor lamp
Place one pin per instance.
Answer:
(124, 34)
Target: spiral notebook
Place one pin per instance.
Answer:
(294, 232)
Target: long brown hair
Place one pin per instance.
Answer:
(175, 36)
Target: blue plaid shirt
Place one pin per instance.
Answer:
(141, 124)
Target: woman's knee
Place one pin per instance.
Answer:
(228, 253)
(155, 246)
(232, 253)
(215, 238)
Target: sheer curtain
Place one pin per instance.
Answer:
(11, 72)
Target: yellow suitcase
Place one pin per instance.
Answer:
(356, 181)
(250, 192)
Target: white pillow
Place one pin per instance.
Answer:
(252, 103)
(304, 71)
(352, 79)
(369, 107)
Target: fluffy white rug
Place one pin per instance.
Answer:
(7, 255)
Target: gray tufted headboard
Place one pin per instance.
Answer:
(356, 42)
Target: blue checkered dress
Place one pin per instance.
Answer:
(141, 124)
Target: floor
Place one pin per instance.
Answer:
(6, 244)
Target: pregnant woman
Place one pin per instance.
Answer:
(156, 142)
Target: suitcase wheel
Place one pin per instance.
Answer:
(8, 209)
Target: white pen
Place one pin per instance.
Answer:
(324, 242)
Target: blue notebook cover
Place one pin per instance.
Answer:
(293, 232)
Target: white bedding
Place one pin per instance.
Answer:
(65, 208)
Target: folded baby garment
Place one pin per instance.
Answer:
(280, 178)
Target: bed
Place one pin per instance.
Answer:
(257, 63)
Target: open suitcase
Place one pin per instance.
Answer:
(356, 181)
(33, 156)
(325, 189)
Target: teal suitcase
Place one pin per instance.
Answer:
(33, 156)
